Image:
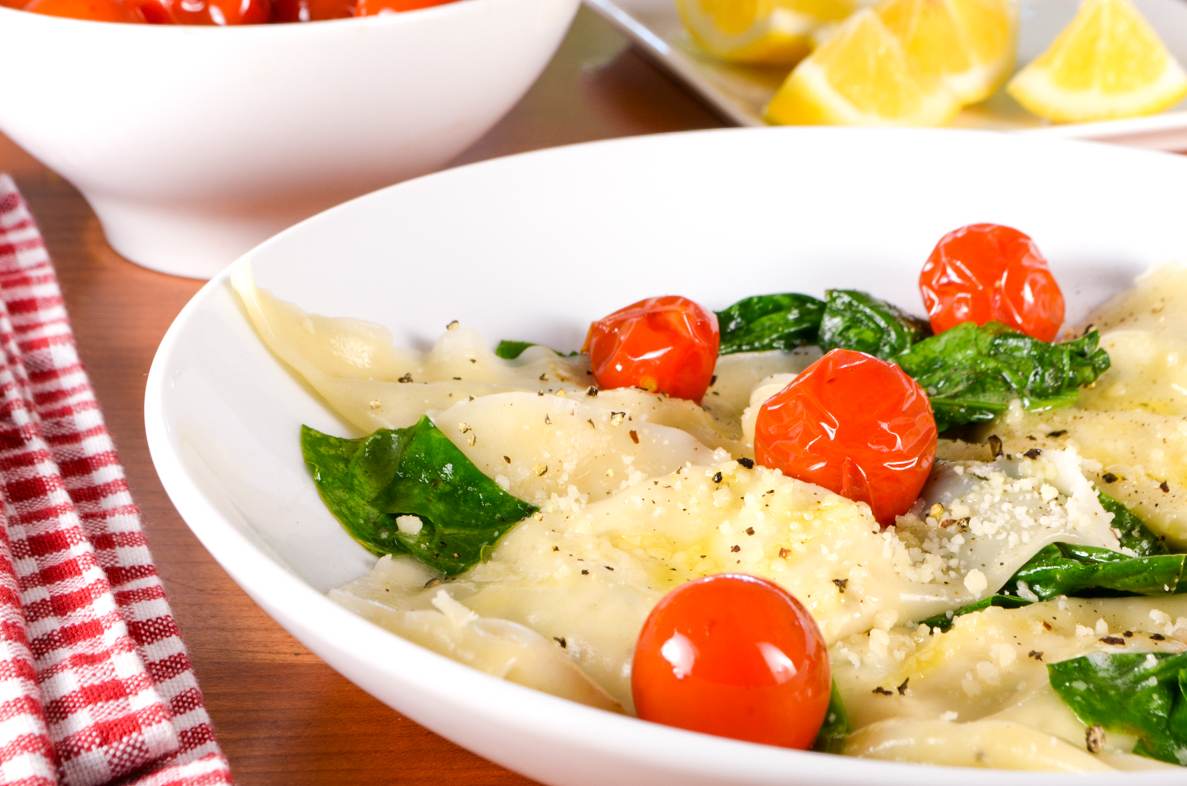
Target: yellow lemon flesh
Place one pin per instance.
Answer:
(1108, 63)
(861, 75)
(759, 31)
(969, 45)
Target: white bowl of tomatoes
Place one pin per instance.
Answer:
(195, 130)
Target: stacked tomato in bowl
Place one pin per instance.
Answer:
(216, 12)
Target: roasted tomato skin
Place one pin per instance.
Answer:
(375, 7)
(856, 425)
(735, 656)
(662, 344)
(93, 10)
(991, 273)
(311, 10)
(217, 13)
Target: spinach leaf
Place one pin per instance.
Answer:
(856, 320)
(1133, 693)
(1085, 571)
(832, 734)
(1080, 571)
(416, 471)
(1133, 532)
(944, 621)
(763, 322)
(1063, 569)
(972, 372)
(510, 349)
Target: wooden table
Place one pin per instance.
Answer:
(283, 716)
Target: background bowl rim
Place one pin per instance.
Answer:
(390, 20)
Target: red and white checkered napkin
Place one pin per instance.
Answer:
(95, 683)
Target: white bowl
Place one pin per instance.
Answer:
(192, 144)
(714, 215)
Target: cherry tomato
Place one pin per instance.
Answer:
(991, 273)
(94, 10)
(662, 344)
(374, 7)
(220, 13)
(311, 10)
(734, 656)
(854, 424)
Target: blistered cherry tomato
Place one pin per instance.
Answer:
(734, 656)
(854, 424)
(311, 10)
(94, 10)
(212, 12)
(662, 344)
(991, 273)
(373, 7)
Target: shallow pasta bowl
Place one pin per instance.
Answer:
(530, 247)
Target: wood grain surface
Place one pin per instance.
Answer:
(282, 716)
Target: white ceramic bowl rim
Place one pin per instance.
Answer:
(600, 729)
(267, 28)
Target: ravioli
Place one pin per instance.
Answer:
(978, 694)
(639, 493)
(588, 572)
(369, 384)
(1132, 423)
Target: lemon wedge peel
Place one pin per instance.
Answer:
(970, 45)
(861, 75)
(1108, 63)
(770, 32)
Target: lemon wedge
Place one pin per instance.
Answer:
(861, 75)
(969, 45)
(1107, 63)
(759, 31)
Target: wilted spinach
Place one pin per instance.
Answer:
(1131, 530)
(510, 349)
(859, 321)
(416, 471)
(1084, 571)
(834, 730)
(972, 372)
(765, 322)
(1130, 692)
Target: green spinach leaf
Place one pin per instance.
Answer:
(856, 320)
(764, 322)
(1085, 571)
(944, 621)
(1133, 693)
(1063, 569)
(972, 372)
(510, 350)
(369, 483)
(1133, 532)
(1080, 571)
(832, 734)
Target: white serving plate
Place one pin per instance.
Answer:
(533, 246)
(739, 93)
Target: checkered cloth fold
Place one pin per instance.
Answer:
(95, 682)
